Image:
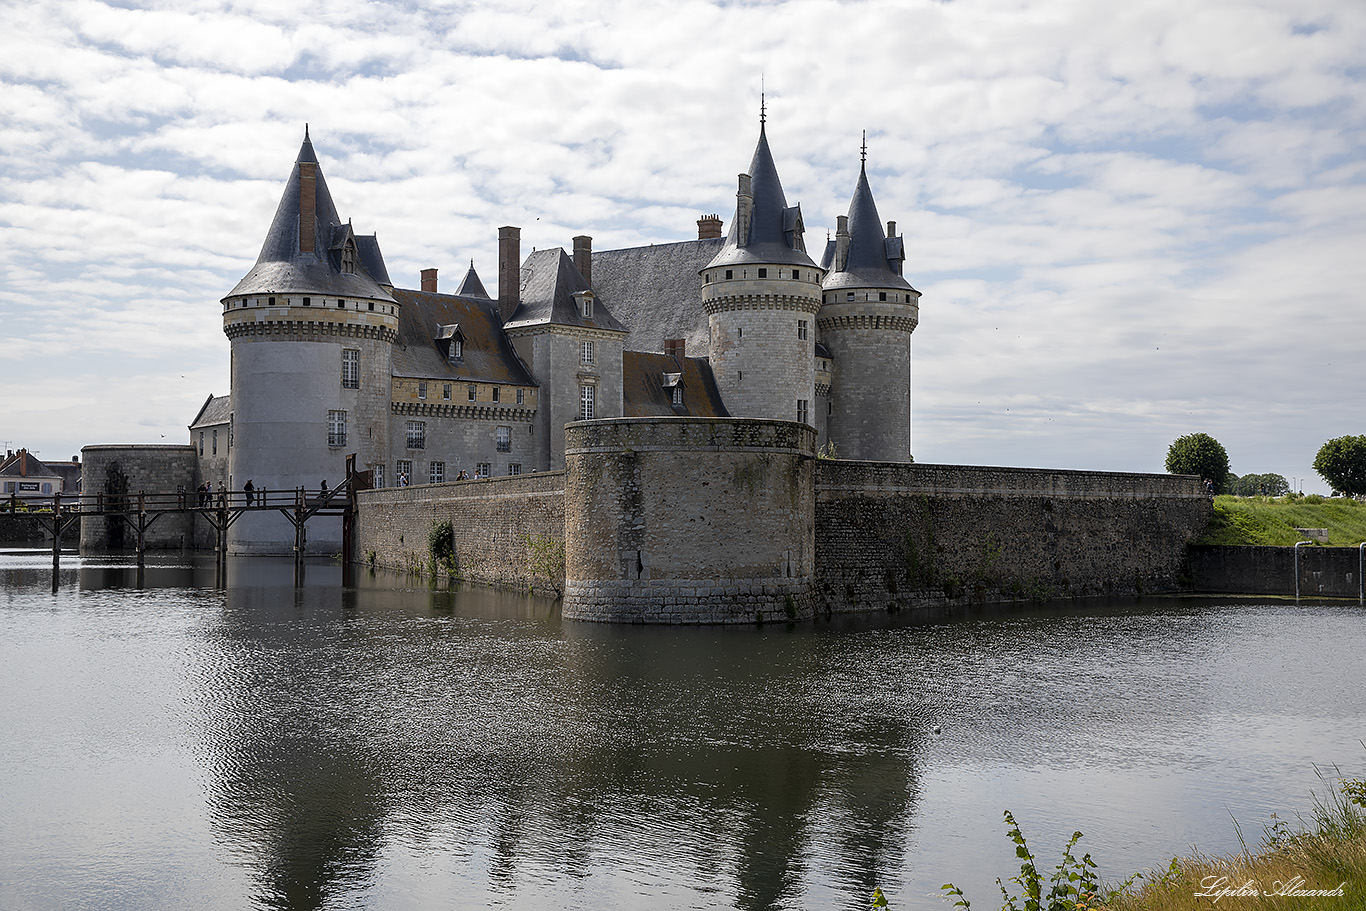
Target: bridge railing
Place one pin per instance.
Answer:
(176, 501)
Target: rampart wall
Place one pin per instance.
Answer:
(1323, 571)
(898, 535)
(507, 531)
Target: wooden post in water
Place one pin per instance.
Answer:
(56, 538)
(142, 528)
(348, 522)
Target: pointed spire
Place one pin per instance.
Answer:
(868, 262)
(471, 286)
(863, 154)
(772, 233)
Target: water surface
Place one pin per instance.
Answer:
(170, 743)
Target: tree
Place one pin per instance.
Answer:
(1251, 485)
(1342, 463)
(1199, 454)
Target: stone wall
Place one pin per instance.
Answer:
(891, 536)
(688, 520)
(126, 471)
(508, 530)
(21, 528)
(1323, 571)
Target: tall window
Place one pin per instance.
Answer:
(446, 391)
(350, 368)
(586, 403)
(379, 474)
(474, 390)
(215, 441)
(457, 349)
(496, 390)
(802, 411)
(422, 389)
(678, 395)
(417, 434)
(336, 428)
(505, 439)
(588, 352)
(201, 442)
(801, 328)
(521, 396)
(403, 472)
(436, 473)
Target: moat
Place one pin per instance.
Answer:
(167, 742)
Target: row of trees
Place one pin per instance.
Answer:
(1341, 462)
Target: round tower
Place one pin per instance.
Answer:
(867, 315)
(761, 293)
(312, 327)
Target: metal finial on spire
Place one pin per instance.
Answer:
(863, 155)
(306, 131)
(763, 105)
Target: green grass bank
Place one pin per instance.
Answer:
(1271, 521)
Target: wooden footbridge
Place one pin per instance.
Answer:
(219, 508)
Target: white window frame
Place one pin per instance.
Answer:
(587, 402)
(403, 468)
(436, 473)
(514, 468)
(350, 368)
(483, 469)
(503, 439)
(336, 428)
(587, 354)
(416, 433)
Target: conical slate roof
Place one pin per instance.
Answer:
(470, 285)
(775, 229)
(869, 263)
(285, 267)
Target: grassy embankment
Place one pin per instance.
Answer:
(1273, 520)
(1325, 855)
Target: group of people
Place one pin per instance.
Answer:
(205, 491)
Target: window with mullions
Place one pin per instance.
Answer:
(350, 368)
(336, 428)
(587, 352)
(586, 403)
(436, 473)
(504, 439)
(417, 434)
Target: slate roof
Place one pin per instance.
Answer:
(487, 357)
(23, 464)
(470, 285)
(775, 229)
(215, 410)
(644, 393)
(871, 253)
(549, 281)
(656, 292)
(282, 268)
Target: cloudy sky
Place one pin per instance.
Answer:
(1129, 221)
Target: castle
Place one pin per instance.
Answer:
(330, 357)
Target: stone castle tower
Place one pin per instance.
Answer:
(867, 315)
(760, 294)
(311, 328)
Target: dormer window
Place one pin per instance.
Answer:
(348, 257)
(584, 299)
(452, 341)
(457, 349)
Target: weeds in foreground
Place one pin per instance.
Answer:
(1074, 885)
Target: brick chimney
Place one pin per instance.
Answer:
(841, 242)
(675, 347)
(509, 270)
(583, 257)
(708, 227)
(428, 281)
(308, 203)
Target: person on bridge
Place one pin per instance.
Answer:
(323, 494)
(250, 490)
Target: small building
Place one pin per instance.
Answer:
(25, 477)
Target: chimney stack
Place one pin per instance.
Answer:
(428, 281)
(583, 257)
(744, 209)
(308, 204)
(891, 229)
(841, 242)
(708, 227)
(509, 270)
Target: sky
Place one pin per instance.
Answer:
(1129, 222)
